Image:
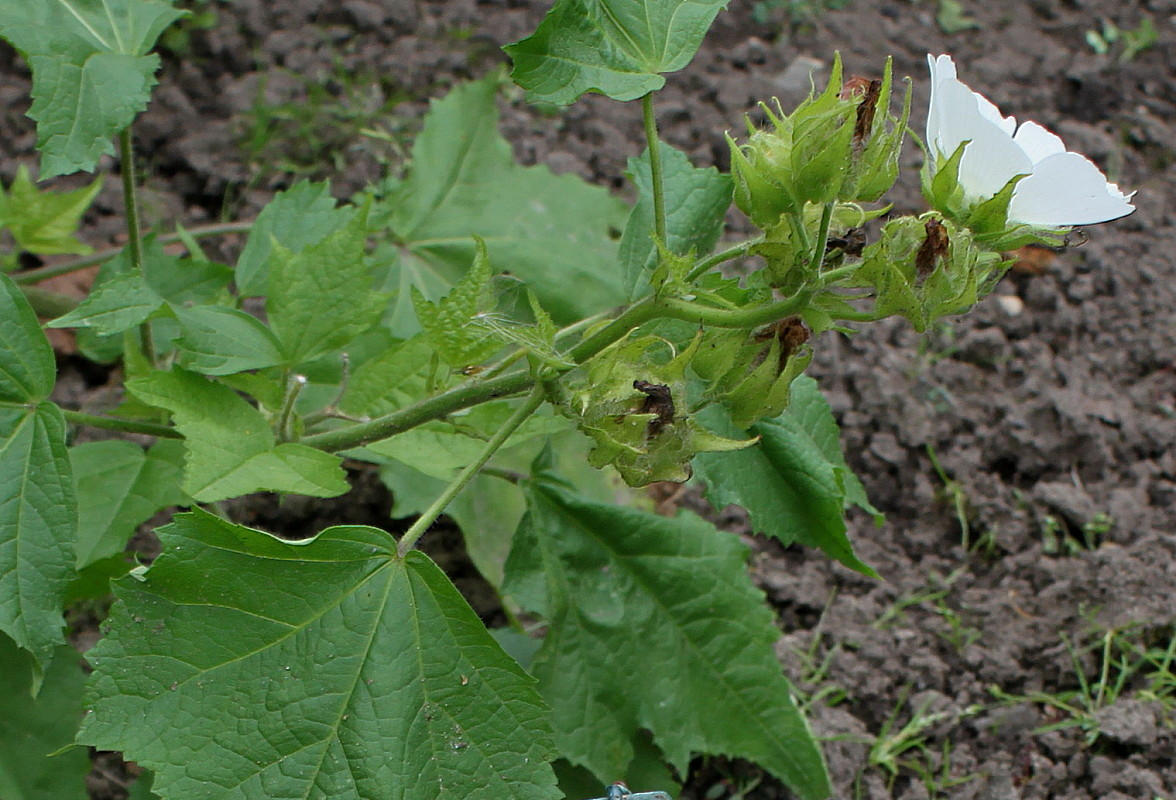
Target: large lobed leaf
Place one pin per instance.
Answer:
(91, 71)
(653, 623)
(38, 509)
(242, 666)
(616, 47)
(794, 483)
(554, 232)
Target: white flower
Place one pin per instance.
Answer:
(1061, 188)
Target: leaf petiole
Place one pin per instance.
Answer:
(655, 168)
(534, 400)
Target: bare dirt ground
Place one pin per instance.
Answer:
(1019, 574)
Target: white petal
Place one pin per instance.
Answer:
(992, 158)
(991, 113)
(1037, 142)
(1067, 189)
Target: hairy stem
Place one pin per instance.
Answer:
(134, 241)
(44, 273)
(294, 387)
(707, 264)
(534, 400)
(655, 168)
(124, 425)
(819, 246)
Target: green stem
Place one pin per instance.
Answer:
(66, 267)
(134, 241)
(464, 395)
(834, 275)
(818, 256)
(294, 387)
(704, 266)
(735, 317)
(655, 168)
(124, 425)
(534, 400)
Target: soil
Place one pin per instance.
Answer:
(1051, 407)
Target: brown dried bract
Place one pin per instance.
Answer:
(658, 400)
(851, 243)
(934, 247)
(868, 89)
(791, 332)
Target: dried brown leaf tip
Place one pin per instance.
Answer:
(868, 90)
(934, 247)
(658, 400)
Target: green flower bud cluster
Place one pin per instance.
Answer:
(840, 145)
(634, 409)
(927, 267)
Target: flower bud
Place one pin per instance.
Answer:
(804, 157)
(752, 373)
(926, 268)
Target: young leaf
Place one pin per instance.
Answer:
(653, 623)
(319, 669)
(120, 486)
(448, 323)
(44, 222)
(38, 510)
(33, 728)
(321, 298)
(553, 232)
(696, 202)
(217, 340)
(296, 218)
(794, 483)
(91, 71)
(231, 449)
(113, 306)
(616, 47)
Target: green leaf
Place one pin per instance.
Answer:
(27, 367)
(115, 305)
(696, 203)
(179, 280)
(448, 323)
(38, 521)
(321, 298)
(616, 47)
(91, 71)
(653, 623)
(296, 218)
(794, 483)
(44, 222)
(33, 728)
(321, 669)
(120, 486)
(217, 340)
(554, 232)
(230, 448)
